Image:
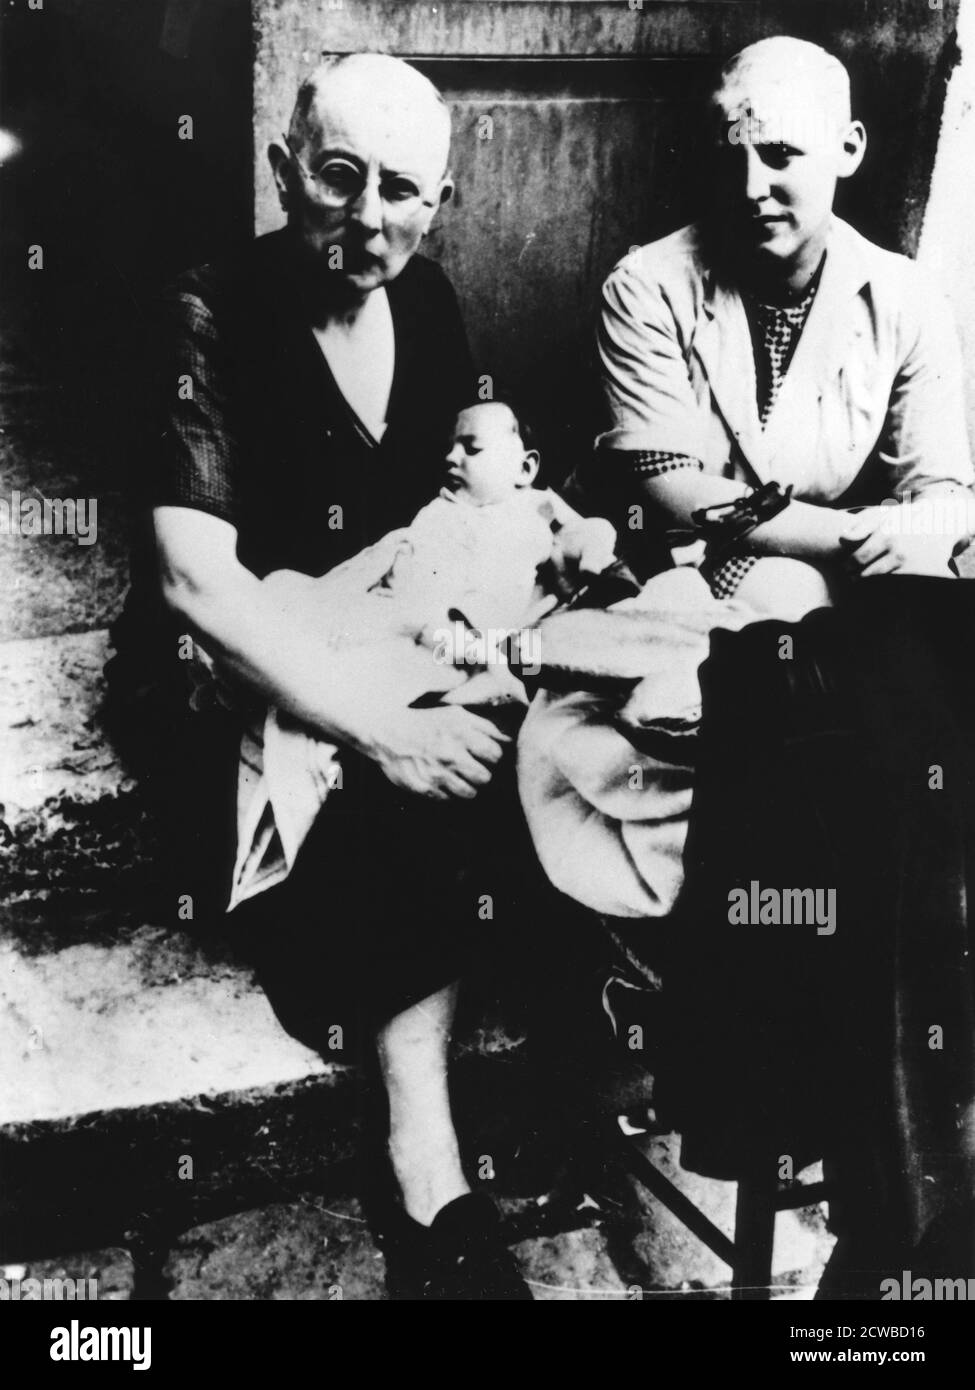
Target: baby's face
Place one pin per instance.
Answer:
(488, 461)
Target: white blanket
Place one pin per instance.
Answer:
(609, 821)
(285, 773)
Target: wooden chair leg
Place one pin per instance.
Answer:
(754, 1235)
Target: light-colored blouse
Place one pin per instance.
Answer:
(872, 395)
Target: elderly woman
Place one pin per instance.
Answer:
(311, 387)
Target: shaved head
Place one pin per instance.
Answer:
(784, 137)
(390, 90)
(790, 81)
(787, 60)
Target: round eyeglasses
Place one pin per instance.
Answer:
(340, 183)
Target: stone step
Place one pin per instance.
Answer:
(75, 580)
(148, 1090)
(128, 1047)
(129, 1044)
(105, 1017)
(147, 1085)
(72, 821)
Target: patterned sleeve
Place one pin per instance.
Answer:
(197, 459)
(653, 463)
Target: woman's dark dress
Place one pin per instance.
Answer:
(382, 907)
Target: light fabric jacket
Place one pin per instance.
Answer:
(873, 394)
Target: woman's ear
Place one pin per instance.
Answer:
(443, 196)
(280, 162)
(854, 148)
(530, 465)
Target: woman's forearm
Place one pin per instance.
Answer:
(675, 496)
(803, 530)
(273, 653)
(264, 637)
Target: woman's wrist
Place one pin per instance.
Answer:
(803, 531)
(343, 716)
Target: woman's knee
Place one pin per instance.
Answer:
(778, 586)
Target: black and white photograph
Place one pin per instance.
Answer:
(487, 665)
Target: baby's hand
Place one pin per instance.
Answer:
(459, 643)
(447, 640)
(594, 541)
(585, 548)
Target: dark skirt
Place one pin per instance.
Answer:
(392, 896)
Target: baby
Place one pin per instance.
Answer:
(493, 550)
(426, 610)
(490, 555)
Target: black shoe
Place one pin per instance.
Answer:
(469, 1259)
(405, 1247)
(461, 1257)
